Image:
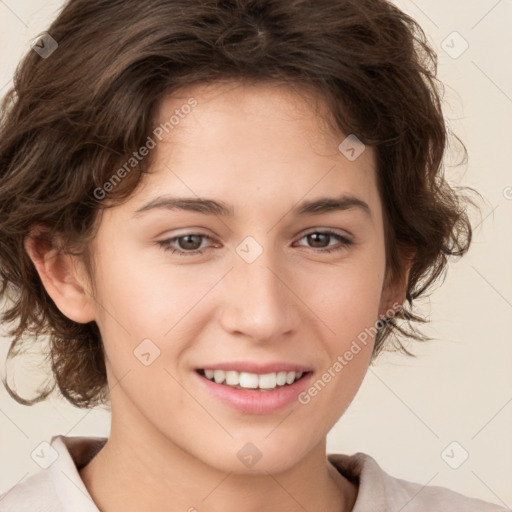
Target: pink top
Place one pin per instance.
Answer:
(59, 488)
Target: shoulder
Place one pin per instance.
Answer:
(58, 486)
(380, 491)
(35, 494)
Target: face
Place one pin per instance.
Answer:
(259, 283)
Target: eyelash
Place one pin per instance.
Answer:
(165, 244)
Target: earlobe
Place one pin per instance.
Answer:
(60, 277)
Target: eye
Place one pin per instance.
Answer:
(189, 244)
(188, 247)
(319, 237)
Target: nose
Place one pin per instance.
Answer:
(260, 301)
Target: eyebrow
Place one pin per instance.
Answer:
(213, 207)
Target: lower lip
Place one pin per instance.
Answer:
(256, 402)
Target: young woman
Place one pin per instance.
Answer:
(220, 212)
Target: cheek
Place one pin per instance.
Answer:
(142, 293)
(138, 301)
(347, 298)
(348, 308)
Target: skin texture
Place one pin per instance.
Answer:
(262, 149)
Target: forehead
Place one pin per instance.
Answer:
(223, 107)
(252, 145)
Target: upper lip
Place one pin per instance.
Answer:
(253, 367)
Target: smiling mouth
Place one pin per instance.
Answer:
(252, 381)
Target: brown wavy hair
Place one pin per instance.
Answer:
(73, 117)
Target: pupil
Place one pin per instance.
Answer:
(187, 242)
(314, 237)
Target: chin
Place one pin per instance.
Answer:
(244, 457)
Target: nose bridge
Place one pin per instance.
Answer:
(259, 304)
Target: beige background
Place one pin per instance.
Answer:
(460, 386)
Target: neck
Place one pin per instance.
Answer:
(140, 469)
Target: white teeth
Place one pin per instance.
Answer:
(269, 380)
(232, 378)
(252, 380)
(248, 380)
(281, 378)
(219, 376)
(290, 377)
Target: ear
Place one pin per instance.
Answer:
(394, 290)
(61, 276)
